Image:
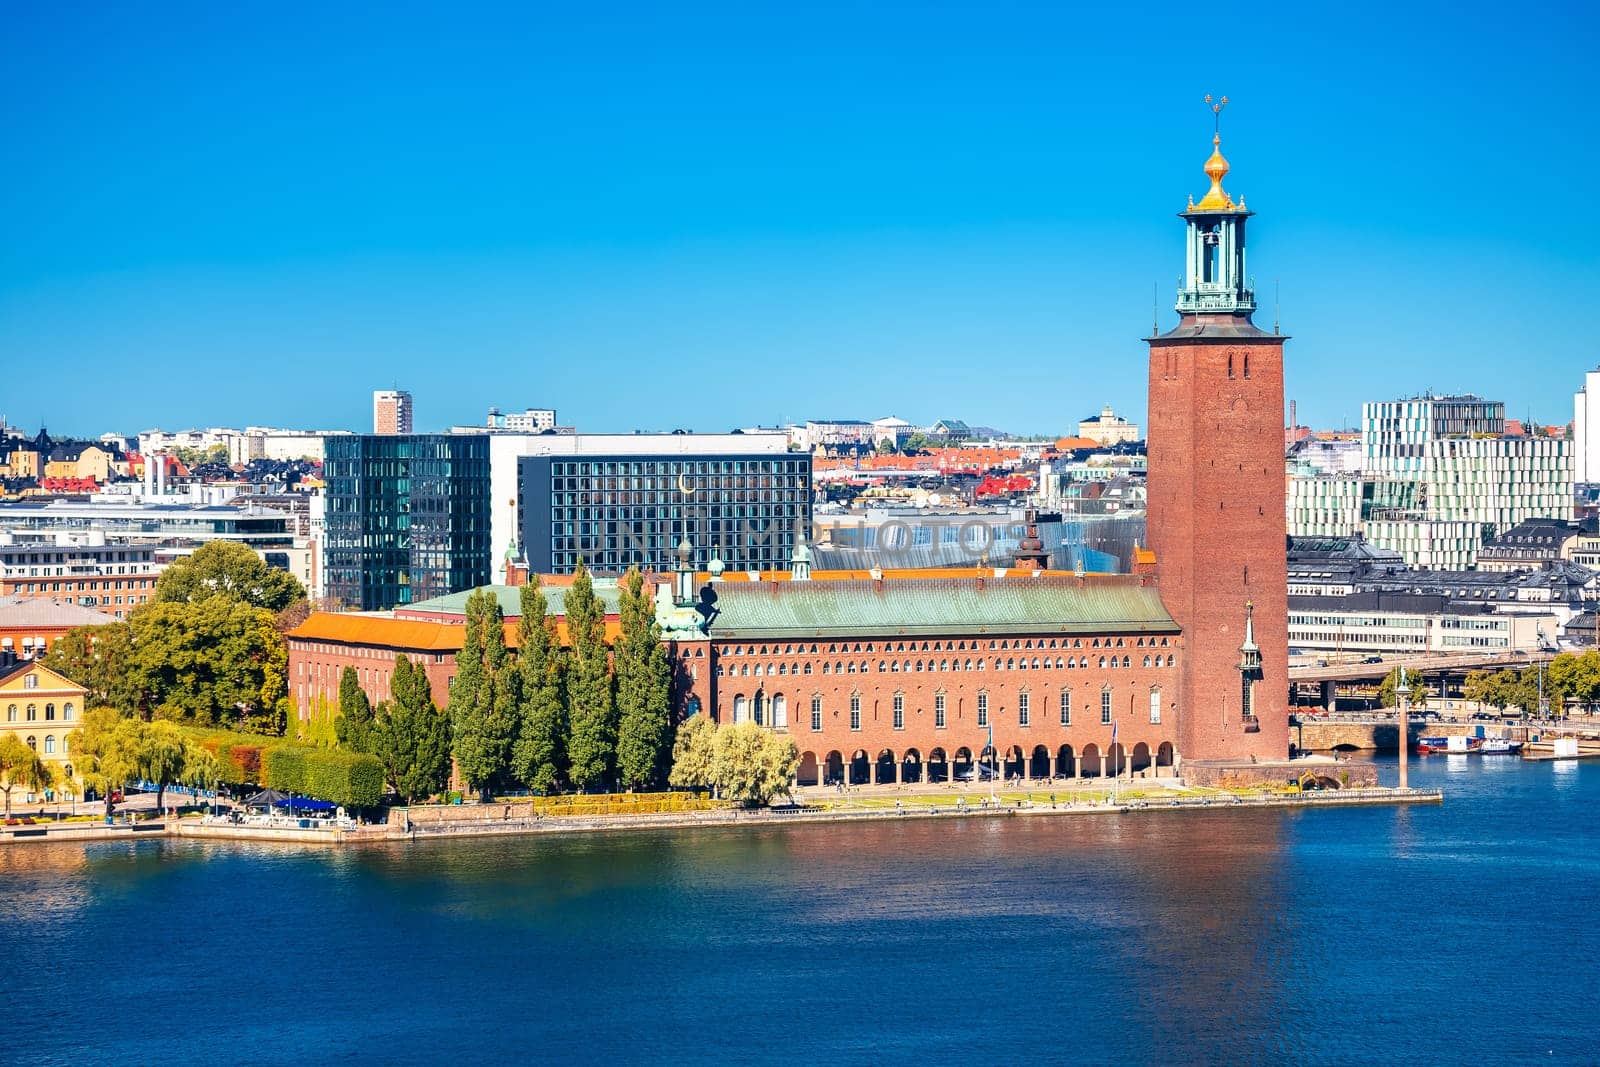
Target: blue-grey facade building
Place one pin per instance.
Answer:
(407, 517)
(621, 510)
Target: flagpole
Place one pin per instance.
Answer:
(1116, 771)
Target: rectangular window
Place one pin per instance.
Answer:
(855, 712)
(938, 711)
(899, 711)
(816, 713)
(1066, 708)
(1105, 707)
(1155, 707)
(983, 709)
(1022, 709)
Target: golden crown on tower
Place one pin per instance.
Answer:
(1216, 168)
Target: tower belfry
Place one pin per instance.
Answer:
(1215, 487)
(1214, 276)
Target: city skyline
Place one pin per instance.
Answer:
(768, 231)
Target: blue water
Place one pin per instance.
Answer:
(1463, 933)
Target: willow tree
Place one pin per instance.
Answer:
(592, 749)
(539, 756)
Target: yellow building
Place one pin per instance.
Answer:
(42, 708)
(22, 465)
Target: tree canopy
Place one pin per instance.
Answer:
(644, 688)
(539, 756)
(411, 738)
(750, 764)
(483, 699)
(353, 727)
(99, 659)
(20, 766)
(592, 748)
(218, 661)
(230, 569)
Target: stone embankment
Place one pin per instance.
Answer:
(482, 820)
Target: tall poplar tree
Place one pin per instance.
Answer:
(643, 688)
(539, 756)
(411, 738)
(353, 727)
(592, 748)
(483, 698)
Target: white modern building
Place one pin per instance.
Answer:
(1395, 434)
(1586, 430)
(531, 420)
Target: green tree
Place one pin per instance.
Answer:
(540, 754)
(644, 686)
(97, 658)
(201, 769)
(354, 723)
(106, 752)
(229, 569)
(691, 753)
(162, 751)
(592, 747)
(483, 699)
(1386, 688)
(412, 738)
(1572, 676)
(20, 765)
(917, 442)
(208, 662)
(752, 765)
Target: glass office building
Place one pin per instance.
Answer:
(407, 517)
(618, 511)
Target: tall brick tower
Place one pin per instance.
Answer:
(1216, 492)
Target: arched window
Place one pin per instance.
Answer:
(1147, 663)
(11, 713)
(1102, 663)
(49, 744)
(1155, 706)
(33, 713)
(780, 712)
(740, 709)
(816, 711)
(49, 713)
(33, 744)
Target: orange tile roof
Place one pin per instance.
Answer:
(416, 634)
(890, 575)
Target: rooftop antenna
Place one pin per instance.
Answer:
(1276, 289)
(1155, 315)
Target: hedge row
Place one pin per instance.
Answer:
(353, 779)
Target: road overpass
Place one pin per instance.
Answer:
(1434, 663)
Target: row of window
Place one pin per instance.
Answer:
(745, 670)
(1029, 644)
(775, 712)
(49, 745)
(31, 712)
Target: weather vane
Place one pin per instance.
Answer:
(1216, 113)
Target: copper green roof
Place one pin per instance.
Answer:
(925, 607)
(510, 597)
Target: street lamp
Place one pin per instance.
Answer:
(1544, 712)
(1401, 693)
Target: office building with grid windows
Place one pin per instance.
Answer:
(407, 517)
(619, 510)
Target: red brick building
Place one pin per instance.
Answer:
(927, 675)
(1216, 492)
(918, 679)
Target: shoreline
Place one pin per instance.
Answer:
(487, 826)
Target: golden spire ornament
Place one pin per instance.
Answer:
(1216, 168)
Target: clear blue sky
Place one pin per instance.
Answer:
(720, 215)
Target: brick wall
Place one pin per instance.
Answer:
(1216, 522)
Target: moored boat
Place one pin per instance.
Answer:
(1453, 745)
